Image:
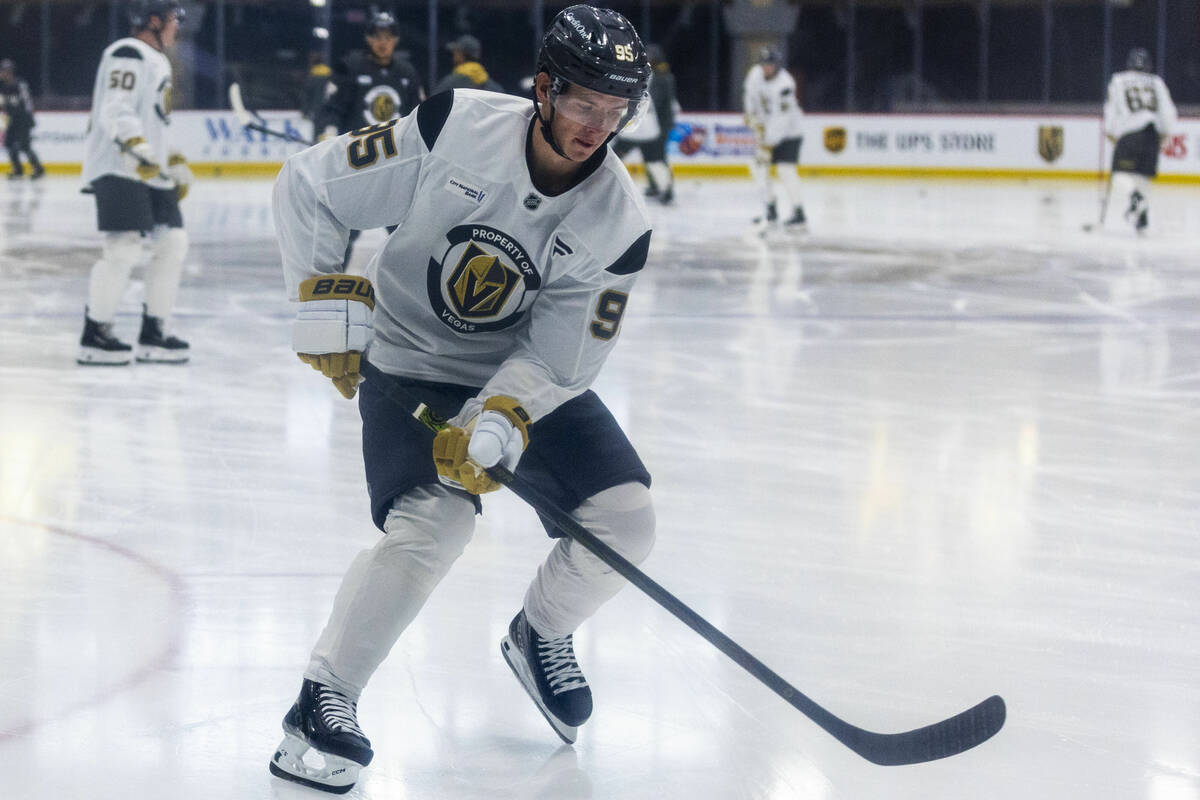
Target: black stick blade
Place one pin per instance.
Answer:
(939, 740)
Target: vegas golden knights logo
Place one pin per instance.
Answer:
(835, 139)
(1050, 142)
(480, 283)
(383, 107)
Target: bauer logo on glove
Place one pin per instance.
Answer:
(333, 327)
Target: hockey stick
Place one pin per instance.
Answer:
(939, 740)
(942, 739)
(252, 121)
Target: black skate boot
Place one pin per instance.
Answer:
(154, 346)
(98, 347)
(324, 722)
(797, 222)
(550, 674)
(771, 215)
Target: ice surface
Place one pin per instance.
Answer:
(945, 445)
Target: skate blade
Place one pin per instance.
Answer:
(568, 733)
(160, 355)
(336, 775)
(91, 357)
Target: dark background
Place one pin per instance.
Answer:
(267, 45)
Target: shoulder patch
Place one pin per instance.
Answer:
(633, 259)
(127, 51)
(432, 114)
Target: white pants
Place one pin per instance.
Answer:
(426, 531)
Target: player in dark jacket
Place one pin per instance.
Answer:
(371, 87)
(16, 106)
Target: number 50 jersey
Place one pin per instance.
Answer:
(1135, 100)
(131, 98)
(487, 281)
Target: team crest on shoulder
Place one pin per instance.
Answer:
(532, 201)
(484, 281)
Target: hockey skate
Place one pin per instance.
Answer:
(1138, 213)
(762, 224)
(797, 223)
(551, 676)
(98, 346)
(155, 346)
(323, 747)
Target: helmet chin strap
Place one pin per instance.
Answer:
(544, 122)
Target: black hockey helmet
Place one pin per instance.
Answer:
(382, 21)
(140, 11)
(1139, 59)
(598, 49)
(770, 55)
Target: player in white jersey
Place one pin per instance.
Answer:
(492, 306)
(138, 180)
(1138, 115)
(773, 113)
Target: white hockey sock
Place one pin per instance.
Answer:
(571, 584)
(168, 249)
(119, 253)
(789, 189)
(661, 174)
(1128, 193)
(427, 529)
(760, 174)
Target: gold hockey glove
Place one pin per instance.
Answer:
(333, 327)
(497, 436)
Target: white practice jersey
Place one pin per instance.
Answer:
(131, 98)
(1135, 100)
(772, 104)
(486, 281)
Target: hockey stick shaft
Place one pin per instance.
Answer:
(946, 738)
(248, 120)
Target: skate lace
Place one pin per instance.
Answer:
(338, 712)
(559, 665)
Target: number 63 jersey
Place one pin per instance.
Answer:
(487, 281)
(131, 98)
(1135, 100)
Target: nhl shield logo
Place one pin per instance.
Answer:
(1050, 142)
(835, 139)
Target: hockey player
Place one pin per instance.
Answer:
(493, 305)
(138, 180)
(369, 87)
(1138, 115)
(773, 113)
(652, 135)
(17, 109)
